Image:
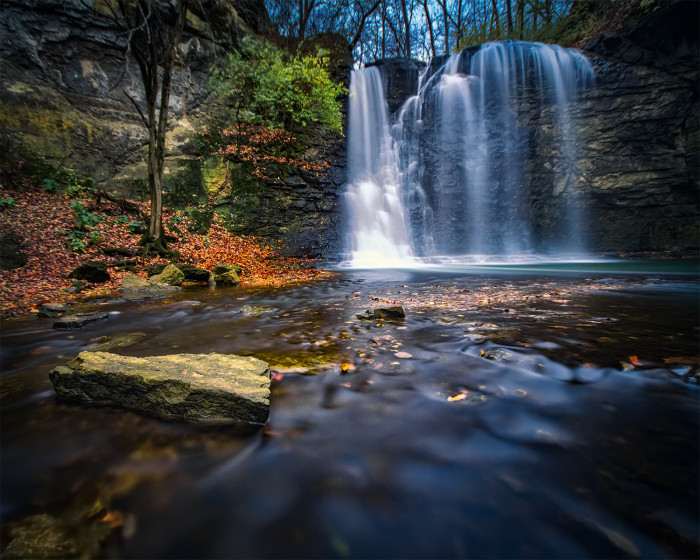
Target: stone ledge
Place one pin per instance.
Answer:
(202, 388)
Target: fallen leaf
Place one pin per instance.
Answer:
(683, 360)
(635, 361)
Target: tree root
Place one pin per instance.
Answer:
(158, 246)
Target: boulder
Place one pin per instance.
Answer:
(78, 320)
(10, 255)
(53, 309)
(194, 273)
(91, 271)
(209, 388)
(171, 275)
(154, 269)
(133, 283)
(223, 268)
(225, 275)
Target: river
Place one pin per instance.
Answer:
(530, 412)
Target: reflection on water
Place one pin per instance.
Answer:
(509, 415)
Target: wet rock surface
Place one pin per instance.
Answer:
(78, 320)
(391, 313)
(208, 388)
(53, 309)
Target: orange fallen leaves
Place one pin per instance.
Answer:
(41, 220)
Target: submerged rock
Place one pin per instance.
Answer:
(392, 313)
(46, 536)
(256, 310)
(498, 355)
(78, 320)
(107, 343)
(211, 388)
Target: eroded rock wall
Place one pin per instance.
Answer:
(637, 136)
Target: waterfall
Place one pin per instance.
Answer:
(453, 177)
(379, 230)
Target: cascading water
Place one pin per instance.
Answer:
(452, 177)
(380, 232)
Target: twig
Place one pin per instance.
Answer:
(143, 118)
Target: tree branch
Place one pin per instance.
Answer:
(133, 101)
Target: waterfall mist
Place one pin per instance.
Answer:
(446, 177)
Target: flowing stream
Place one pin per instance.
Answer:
(448, 175)
(518, 411)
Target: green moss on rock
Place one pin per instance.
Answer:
(212, 388)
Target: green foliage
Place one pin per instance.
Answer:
(69, 181)
(173, 223)
(84, 219)
(136, 226)
(75, 240)
(265, 85)
(7, 202)
(85, 222)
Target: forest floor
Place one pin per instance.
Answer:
(48, 227)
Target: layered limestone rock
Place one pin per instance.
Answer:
(210, 388)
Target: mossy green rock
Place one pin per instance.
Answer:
(225, 275)
(171, 275)
(210, 388)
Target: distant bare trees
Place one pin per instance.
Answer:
(415, 28)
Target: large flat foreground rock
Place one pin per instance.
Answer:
(217, 388)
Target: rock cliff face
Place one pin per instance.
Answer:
(637, 132)
(65, 73)
(62, 99)
(640, 131)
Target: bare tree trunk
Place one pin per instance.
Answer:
(305, 9)
(383, 29)
(446, 23)
(430, 26)
(157, 127)
(494, 16)
(509, 13)
(521, 18)
(407, 30)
